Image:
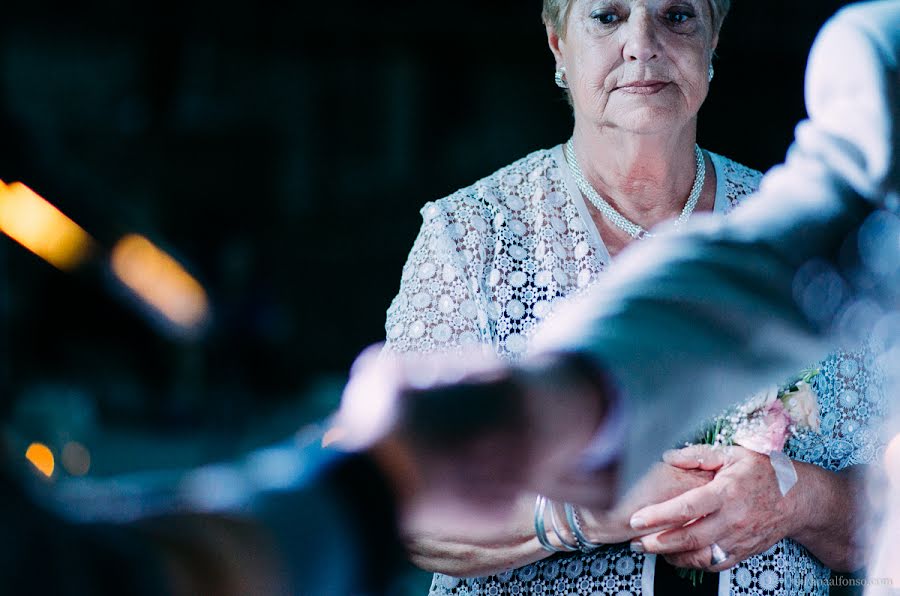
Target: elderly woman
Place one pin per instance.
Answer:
(492, 261)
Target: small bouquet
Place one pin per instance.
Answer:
(763, 424)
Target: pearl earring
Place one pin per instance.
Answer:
(560, 78)
(712, 72)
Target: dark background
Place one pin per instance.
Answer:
(281, 151)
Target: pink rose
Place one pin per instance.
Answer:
(765, 431)
(803, 407)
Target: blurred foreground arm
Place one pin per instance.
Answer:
(299, 518)
(294, 518)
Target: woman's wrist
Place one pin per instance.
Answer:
(605, 527)
(824, 515)
(808, 503)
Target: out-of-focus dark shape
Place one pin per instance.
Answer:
(76, 458)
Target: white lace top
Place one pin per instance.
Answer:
(487, 267)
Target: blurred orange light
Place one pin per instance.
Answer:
(41, 458)
(76, 459)
(40, 227)
(160, 281)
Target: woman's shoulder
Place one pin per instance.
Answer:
(509, 188)
(739, 180)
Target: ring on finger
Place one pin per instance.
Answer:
(718, 555)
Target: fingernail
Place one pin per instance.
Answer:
(637, 546)
(638, 523)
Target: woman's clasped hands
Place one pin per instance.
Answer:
(739, 513)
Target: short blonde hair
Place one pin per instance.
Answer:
(556, 12)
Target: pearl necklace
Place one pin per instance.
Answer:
(619, 220)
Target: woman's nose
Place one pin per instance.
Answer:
(641, 44)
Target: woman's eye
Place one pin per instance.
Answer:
(605, 18)
(679, 17)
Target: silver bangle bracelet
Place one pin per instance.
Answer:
(575, 525)
(540, 506)
(540, 530)
(555, 523)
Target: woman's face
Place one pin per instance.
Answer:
(638, 65)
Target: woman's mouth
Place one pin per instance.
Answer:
(643, 87)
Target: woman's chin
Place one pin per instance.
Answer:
(643, 115)
(647, 124)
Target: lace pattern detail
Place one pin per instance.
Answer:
(740, 181)
(489, 265)
(851, 401)
(508, 248)
(605, 571)
(492, 260)
(442, 305)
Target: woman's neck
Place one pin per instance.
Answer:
(646, 178)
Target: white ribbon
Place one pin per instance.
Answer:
(785, 472)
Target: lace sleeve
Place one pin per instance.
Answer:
(852, 403)
(441, 304)
(739, 182)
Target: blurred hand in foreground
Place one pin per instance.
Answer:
(461, 436)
